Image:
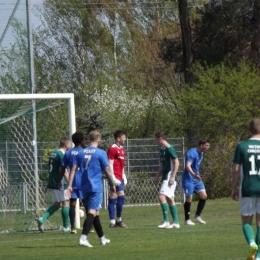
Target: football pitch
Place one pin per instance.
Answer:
(221, 238)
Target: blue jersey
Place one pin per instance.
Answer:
(69, 160)
(92, 162)
(195, 158)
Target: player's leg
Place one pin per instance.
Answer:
(188, 189)
(247, 210)
(119, 205)
(81, 197)
(111, 208)
(200, 189)
(65, 210)
(72, 213)
(257, 239)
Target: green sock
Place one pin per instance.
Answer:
(249, 233)
(65, 216)
(174, 213)
(49, 212)
(165, 212)
(257, 240)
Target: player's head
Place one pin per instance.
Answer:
(95, 136)
(119, 137)
(204, 145)
(65, 142)
(254, 126)
(160, 138)
(78, 138)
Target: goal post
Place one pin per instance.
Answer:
(23, 118)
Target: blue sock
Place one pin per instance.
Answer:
(119, 205)
(111, 208)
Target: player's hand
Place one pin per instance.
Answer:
(198, 177)
(155, 181)
(113, 188)
(125, 179)
(116, 182)
(171, 181)
(59, 185)
(69, 191)
(235, 194)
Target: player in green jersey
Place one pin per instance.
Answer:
(246, 168)
(169, 165)
(59, 195)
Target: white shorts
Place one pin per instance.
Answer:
(249, 206)
(167, 190)
(59, 195)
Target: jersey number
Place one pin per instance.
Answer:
(252, 161)
(88, 157)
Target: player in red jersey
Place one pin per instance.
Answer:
(116, 156)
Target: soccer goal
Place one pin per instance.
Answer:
(28, 124)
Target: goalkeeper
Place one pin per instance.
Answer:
(116, 156)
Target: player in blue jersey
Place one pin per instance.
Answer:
(68, 161)
(192, 182)
(92, 161)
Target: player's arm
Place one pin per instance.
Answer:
(176, 164)
(235, 181)
(62, 173)
(111, 178)
(111, 170)
(189, 169)
(71, 177)
(124, 176)
(155, 181)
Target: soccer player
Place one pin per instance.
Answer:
(116, 157)
(192, 182)
(68, 160)
(92, 161)
(246, 186)
(169, 165)
(59, 195)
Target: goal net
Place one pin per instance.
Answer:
(31, 126)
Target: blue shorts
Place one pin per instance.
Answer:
(190, 187)
(77, 194)
(93, 200)
(120, 187)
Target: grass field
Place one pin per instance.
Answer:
(221, 238)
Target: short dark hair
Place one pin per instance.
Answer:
(64, 141)
(118, 134)
(203, 141)
(161, 134)
(77, 138)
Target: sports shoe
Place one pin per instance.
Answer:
(189, 222)
(174, 225)
(92, 230)
(120, 224)
(104, 242)
(40, 224)
(66, 230)
(252, 252)
(112, 225)
(73, 231)
(84, 243)
(164, 224)
(199, 219)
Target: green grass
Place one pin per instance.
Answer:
(221, 238)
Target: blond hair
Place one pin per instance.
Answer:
(94, 136)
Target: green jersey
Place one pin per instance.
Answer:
(166, 155)
(247, 154)
(55, 163)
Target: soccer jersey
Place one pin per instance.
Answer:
(166, 155)
(247, 154)
(92, 162)
(55, 163)
(195, 158)
(69, 160)
(117, 154)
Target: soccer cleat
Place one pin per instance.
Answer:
(120, 224)
(66, 230)
(189, 222)
(104, 242)
(112, 225)
(174, 225)
(92, 230)
(84, 243)
(73, 231)
(252, 252)
(199, 219)
(164, 224)
(40, 224)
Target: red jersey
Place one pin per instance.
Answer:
(117, 153)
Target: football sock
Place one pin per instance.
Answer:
(187, 210)
(65, 216)
(174, 213)
(88, 224)
(119, 219)
(257, 240)
(97, 226)
(111, 208)
(72, 217)
(83, 237)
(200, 207)
(119, 205)
(249, 233)
(165, 211)
(49, 212)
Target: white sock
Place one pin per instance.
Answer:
(252, 243)
(83, 237)
(102, 239)
(119, 219)
(112, 221)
